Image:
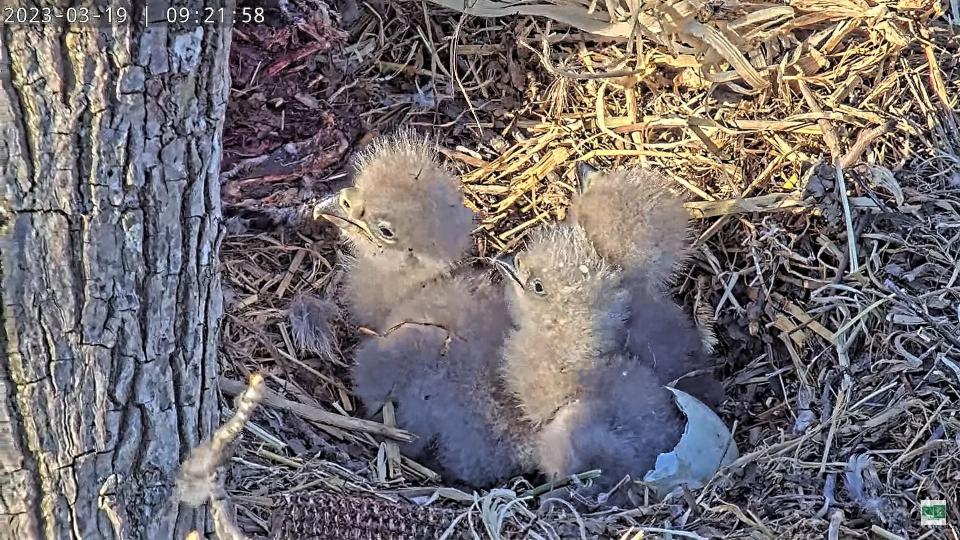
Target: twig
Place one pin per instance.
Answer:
(843, 398)
(854, 260)
(836, 519)
(200, 479)
(550, 486)
(829, 485)
(864, 139)
(830, 137)
(673, 532)
(231, 387)
(444, 348)
(544, 57)
(392, 449)
(883, 533)
(947, 334)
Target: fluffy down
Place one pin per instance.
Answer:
(405, 220)
(441, 331)
(665, 339)
(620, 427)
(311, 323)
(440, 366)
(635, 221)
(569, 312)
(589, 373)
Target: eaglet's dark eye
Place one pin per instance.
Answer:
(386, 232)
(537, 287)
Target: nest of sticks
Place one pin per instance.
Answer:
(818, 143)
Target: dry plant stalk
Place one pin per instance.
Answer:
(672, 25)
(200, 479)
(314, 515)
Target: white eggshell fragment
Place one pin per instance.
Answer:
(705, 446)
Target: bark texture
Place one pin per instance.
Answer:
(109, 163)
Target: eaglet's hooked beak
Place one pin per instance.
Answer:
(330, 209)
(507, 265)
(585, 174)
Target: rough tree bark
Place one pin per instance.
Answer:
(109, 162)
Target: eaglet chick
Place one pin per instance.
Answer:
(441, 328)
(634, 221)
(595, 405)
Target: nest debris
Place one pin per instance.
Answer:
(821, 160)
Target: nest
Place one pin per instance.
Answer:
(817, 142)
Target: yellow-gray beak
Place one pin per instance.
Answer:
(585, 174)
(507, 265)
(331, 210)
(327, 208)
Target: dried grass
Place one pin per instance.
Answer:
(818, 143)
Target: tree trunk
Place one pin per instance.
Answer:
(110, 145)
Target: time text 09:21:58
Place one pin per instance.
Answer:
(120, 15)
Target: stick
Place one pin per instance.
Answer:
(231, 387)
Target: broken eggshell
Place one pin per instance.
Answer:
(705, 446)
